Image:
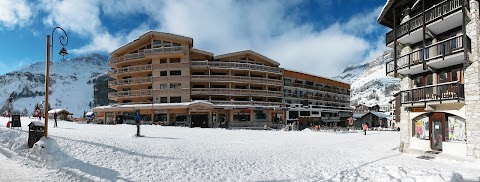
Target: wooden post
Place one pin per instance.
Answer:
(47, 72)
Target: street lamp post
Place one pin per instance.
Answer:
(62, 52)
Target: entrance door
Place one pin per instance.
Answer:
(200, 120)
(120, 119)
(437, 137)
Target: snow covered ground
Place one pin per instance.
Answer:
(89, 152)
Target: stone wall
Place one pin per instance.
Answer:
(472, 85)
(405, 122)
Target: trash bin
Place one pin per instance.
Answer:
(35, 132)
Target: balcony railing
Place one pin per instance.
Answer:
(439, 92)
(130, 81)
(314, 87)
(432, 14)
(130, 93)
(440, 49)
(130, 69)
(321, 98)
(147, 52)
(243, 66)
(245, 103)
(229, 91)
(247, 79)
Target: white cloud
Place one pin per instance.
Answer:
(14, 13)
(266, 27)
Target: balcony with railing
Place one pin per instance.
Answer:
(147, 52)
(130, 69)
(316, 98)
(230, 91)
(130, 93)
(442, 54)
(228, 78)
(321, 88)
(130, 81)
(434, 93)
(221, 102)
(234, 65)
(438, 19)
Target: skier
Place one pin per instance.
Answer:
(365, 127)
(55, 117)
(137, 120)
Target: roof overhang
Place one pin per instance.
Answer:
(248, 53)
(152, 34)
(386, 15)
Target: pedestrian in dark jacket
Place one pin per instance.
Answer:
(55, 118)
(137, 120)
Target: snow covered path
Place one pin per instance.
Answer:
(112, 153)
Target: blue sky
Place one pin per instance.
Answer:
(320, 36)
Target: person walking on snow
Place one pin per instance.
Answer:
(55, 118)
(137, 120)
(365, 128)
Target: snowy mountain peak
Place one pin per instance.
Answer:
(369, 84)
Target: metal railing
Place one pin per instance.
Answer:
(234, 65)
(130, 69)
(246, 103)
(313, 97)
(438, 92)
(432, 14)
(247, 79)
(229, 91)
(440, 49)
(321, 88)
(147, 52)
(130, 93)
(130, 81)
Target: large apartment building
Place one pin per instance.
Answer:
(436, 57)
(168, 81)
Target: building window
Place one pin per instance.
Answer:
(259, 115)
(163, 73)
(429, 80)
(174, 60)
(421, 128)
(175, 85)
(163, 86)
(162, 61)
(163, 99)
(175, 72)
(175, 99)
(418, 81)
(293, 114)
(443, 77)
(241, 116)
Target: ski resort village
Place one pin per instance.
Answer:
(375, 90)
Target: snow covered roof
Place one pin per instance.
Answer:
(385, 7)
(89, 113)
(56, 111)
(248, 52)
(380, 114)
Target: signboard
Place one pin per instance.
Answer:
(161, 112)
(417, 109)
(16, 121)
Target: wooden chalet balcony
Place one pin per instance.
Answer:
(220, 102)
(233, 65)
(230, 91)
(161, 92)
(438, 18)
(130, 93)
(130, 81)
(439, 55)
(228, 78)
(147, 52)
(130, 69)
(439, 92)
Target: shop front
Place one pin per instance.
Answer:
(439, 131)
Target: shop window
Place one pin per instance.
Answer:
(277, 118)
(421, 128)
(455, 129)
(259, 115)
(293, 114)
(242, 116)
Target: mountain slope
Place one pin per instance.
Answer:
(71, 84)
(369, 84)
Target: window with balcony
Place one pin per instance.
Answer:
(163, 73)
(163, 61)
(175, 99)
(174, 60)
(175, 85)
(443, 77)
(175, 73)
(219, 86)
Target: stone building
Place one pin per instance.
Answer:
(436, 57)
